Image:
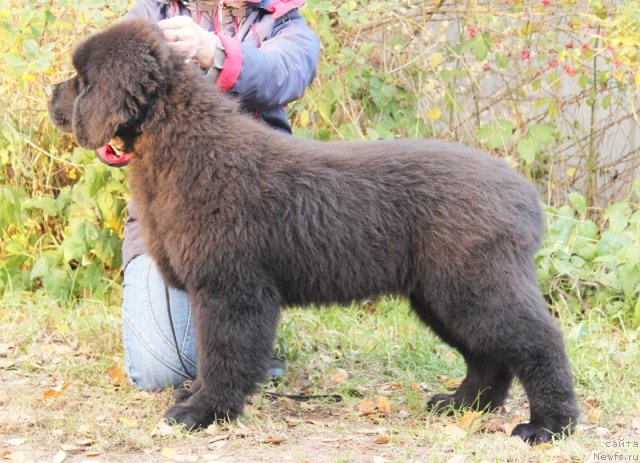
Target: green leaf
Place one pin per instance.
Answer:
(57, 283)
(502, 60)
(496, 135)
(46, 204)
(578, 201)
(545, 134)
(618, 216)
(479, 47)
(528, 148)
(40, 268)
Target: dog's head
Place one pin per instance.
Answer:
(120, 74)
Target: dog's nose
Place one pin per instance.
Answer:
(48, 90)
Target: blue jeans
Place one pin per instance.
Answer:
(151, 359)
(150, 355)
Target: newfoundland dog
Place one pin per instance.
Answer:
(246, 220)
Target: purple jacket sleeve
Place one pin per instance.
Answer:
(277, 72)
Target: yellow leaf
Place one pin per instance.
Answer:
(453, 383)
(543, 446)
(594, 415)
(127, 421)
(168, 452)
(383, 405)
(436, 59)
(638, 78)
(468, 418)
(434, 114)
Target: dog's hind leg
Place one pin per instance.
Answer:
(502, 316)
(487, 382)
(235, 331)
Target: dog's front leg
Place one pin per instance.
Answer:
(235, 331)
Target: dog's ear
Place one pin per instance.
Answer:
(121, 71)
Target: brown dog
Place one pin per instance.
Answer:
(246, 220)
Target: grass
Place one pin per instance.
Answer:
(372, 354)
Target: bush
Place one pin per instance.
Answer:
(548, 85)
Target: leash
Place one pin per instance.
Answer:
(175, 338)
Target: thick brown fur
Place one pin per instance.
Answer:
(247, 220)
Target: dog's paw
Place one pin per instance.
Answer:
(190, 417)
(532, 434)
(195, 416)
(535, 434)
(443, 404)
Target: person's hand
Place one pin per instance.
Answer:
(189, 40)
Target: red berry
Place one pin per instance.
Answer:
(471, 31)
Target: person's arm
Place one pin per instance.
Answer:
(277, 72)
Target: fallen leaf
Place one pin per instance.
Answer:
(594, 415)
(118, 378)
(17, 441)
(457, 459)
(168, 452)
(392, 386)
(163, 429)
(4, 452)
(87, 442)
(127, 421)
(51, 393)
(70, 448)
(242, 431)
(543, 446)
(93, 453)
(381, 440)
(59, 457)
(274, 440)
(454, 431)
(56, 391)
(339, 376)
(453, 383)
(383, 405)
(366, 407)
(590, 404)
(468, 418)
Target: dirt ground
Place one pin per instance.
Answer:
(79, 422)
